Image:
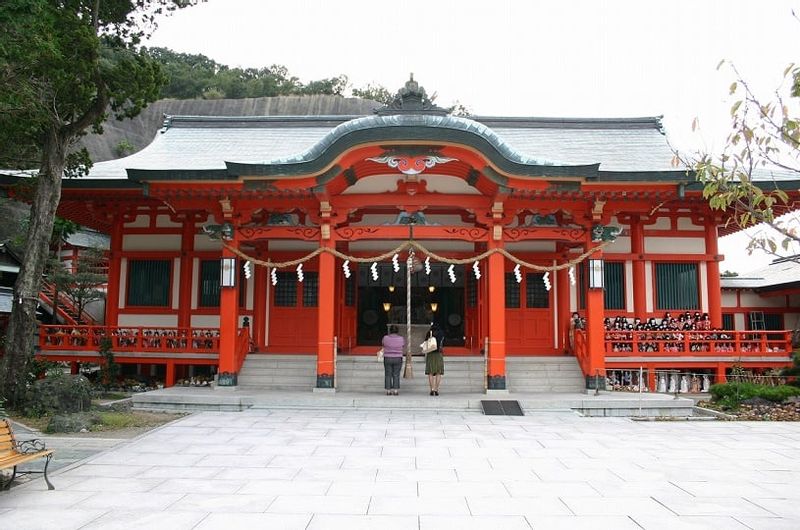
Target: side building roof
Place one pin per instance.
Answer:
(782, 273)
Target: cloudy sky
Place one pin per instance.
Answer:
(519, 58)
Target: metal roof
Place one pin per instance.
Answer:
(781, 272)
(202, 142)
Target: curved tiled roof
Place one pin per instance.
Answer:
(207, 143)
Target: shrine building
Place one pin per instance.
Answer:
(241, 237)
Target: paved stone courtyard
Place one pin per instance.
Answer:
(380, 469)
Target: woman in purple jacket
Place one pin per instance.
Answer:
(393, 347)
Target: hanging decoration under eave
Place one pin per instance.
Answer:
(608, 236)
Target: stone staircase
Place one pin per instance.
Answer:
(544, 374)
(463, 375)
(278, 372)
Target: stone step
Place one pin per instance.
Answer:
(365, 373)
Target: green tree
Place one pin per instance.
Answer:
(63, 66)
(374, 92)
(747, 180)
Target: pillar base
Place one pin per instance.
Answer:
(324, 381)
(496, 382)
(227, 379)
(493, 392)
(595, 383)
(324, 390)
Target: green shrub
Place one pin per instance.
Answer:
(58, 394)
(731, 395)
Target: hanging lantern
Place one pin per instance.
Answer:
(517, 273)
(227, 272)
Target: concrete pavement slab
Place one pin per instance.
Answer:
(356, 468)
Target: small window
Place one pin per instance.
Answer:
(286, 290)
(310, 289)
(614, 281)
(676, 286)
(727, 321)
(209, 283)
(472, 291)
(536, 296)
(512, 291)
(148, 283)
(350, 291)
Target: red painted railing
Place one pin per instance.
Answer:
(697, 343)
(581, 350)
(242, 348)
(129, 339)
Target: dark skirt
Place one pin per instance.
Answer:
(434, 363)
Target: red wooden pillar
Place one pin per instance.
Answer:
(74, 368)
(496, 377)
(185, 296)
(595, 334)
(721, 376)
(169, 378)
(259, 306)
(325, 323)
(228, 323)
(712, 275)
(114, 273)
(563, 315)
(651, 377)
(639, 281)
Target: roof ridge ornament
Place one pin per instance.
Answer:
(411, 99)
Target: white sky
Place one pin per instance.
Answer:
(519, 58)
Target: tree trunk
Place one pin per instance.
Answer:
(21, 333)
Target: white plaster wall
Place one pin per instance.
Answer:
(728, 298)
(685, 223)
(622, 245)
(248, 292)
(750, 299)
(661, 224)
(202, 243)
(446, 220)
(376, 219)
(531, 246)
(288, 245)
(703, 287)
(163, 221)
(176, 284)
(674, 245)
(739, 321)
(629, 286)
(141, 221)
(266, 313)
(648, 282)
(166, 321)
(123, 282)
(379, 247)
(205, 321)
(132, 242)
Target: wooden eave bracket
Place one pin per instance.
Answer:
(597, 209)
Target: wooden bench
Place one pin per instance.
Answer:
(13, 453)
